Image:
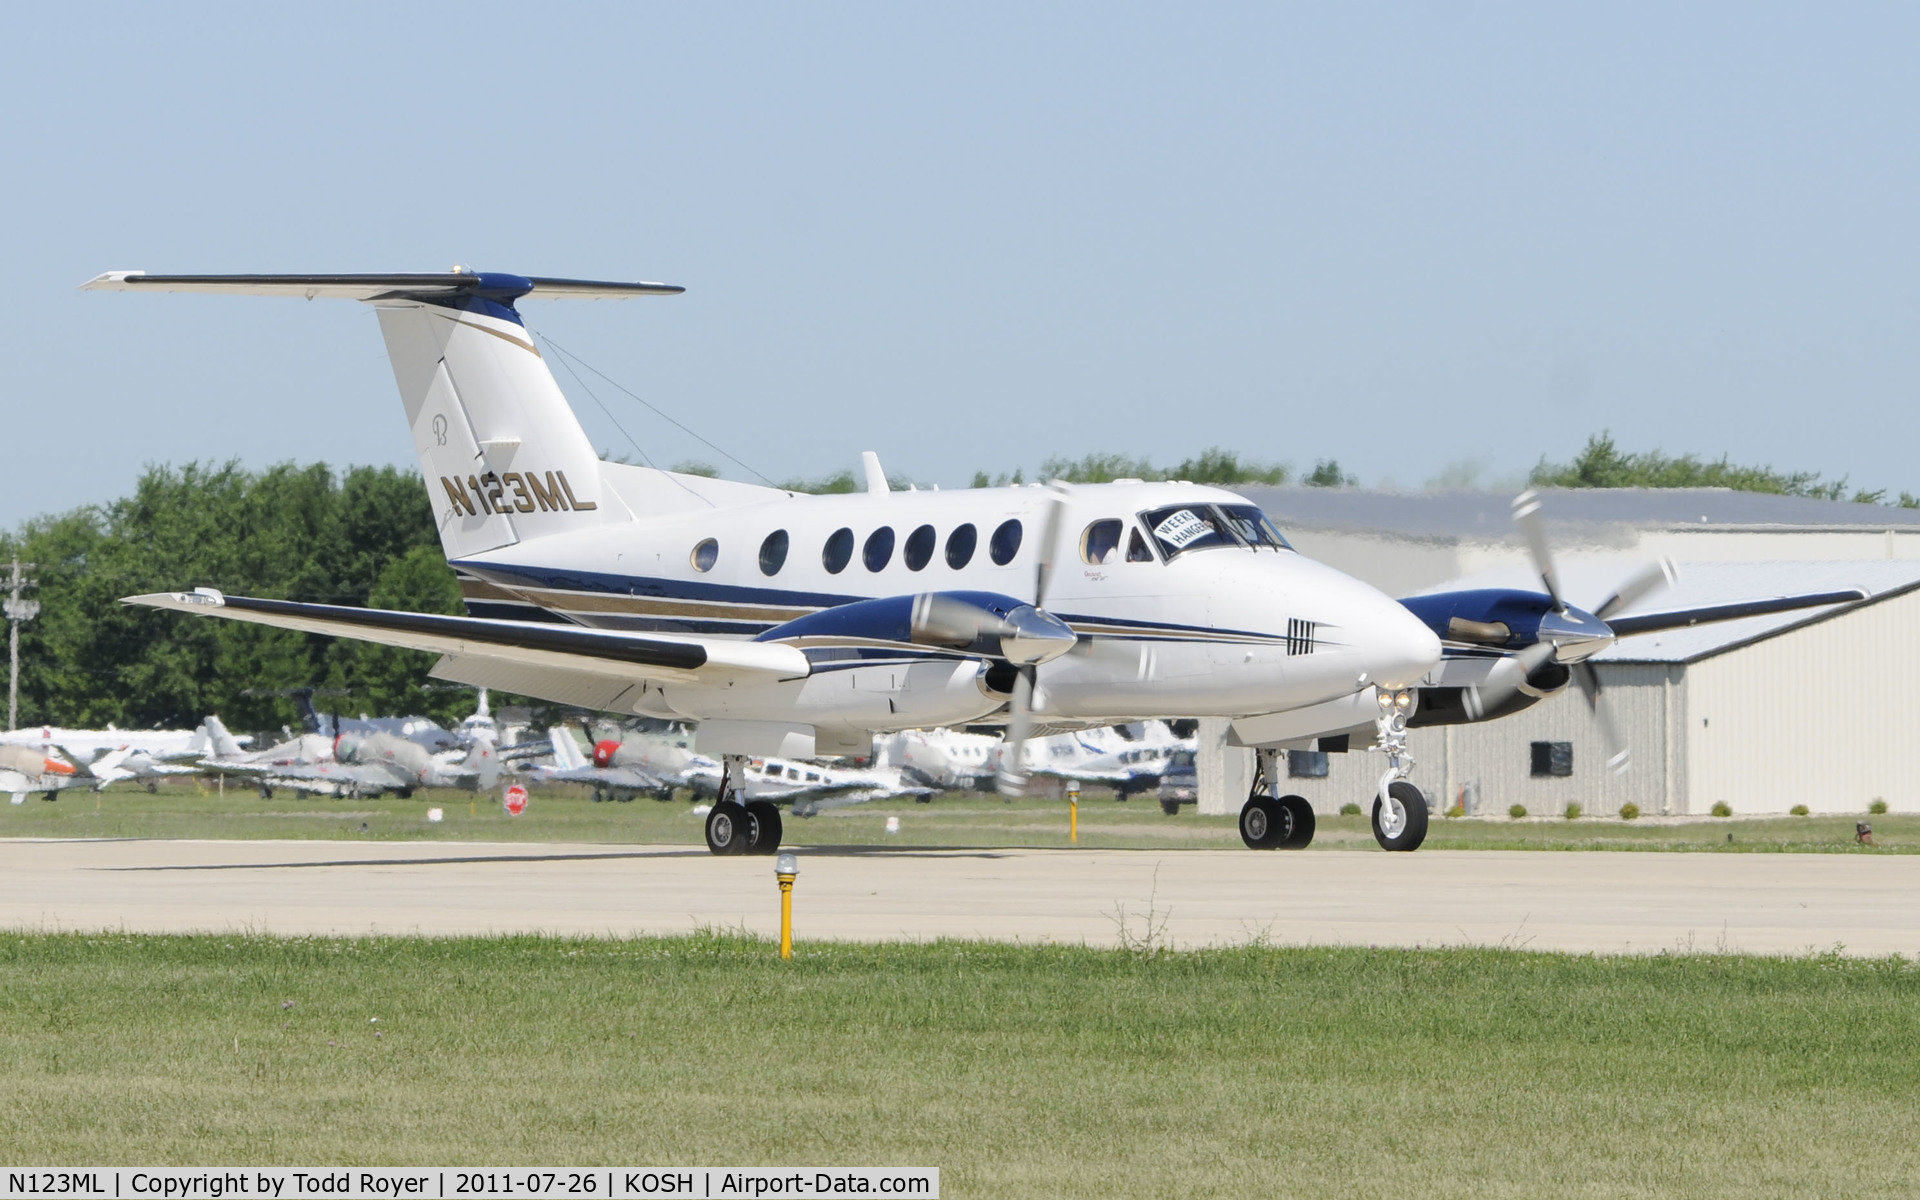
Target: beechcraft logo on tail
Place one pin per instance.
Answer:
(516, 491)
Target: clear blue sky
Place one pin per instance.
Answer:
(974, 236)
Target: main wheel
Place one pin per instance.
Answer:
(1400, 823)
(1299, 823)
(728, 828)
(1263, 823)
(763, 827)
(1172, 808)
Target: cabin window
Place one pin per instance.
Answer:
(1005, 543)
(838, 552)
(919, 549)
(705, 555)
(1552, 759)
(1100, 543)
(878, 551)
(1137, 548)
(773, 552)
(1186, 527)
(960, 544)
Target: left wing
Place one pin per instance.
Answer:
(527, 643)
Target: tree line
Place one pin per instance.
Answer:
(363, 537)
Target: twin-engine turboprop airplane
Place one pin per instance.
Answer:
(792, 625)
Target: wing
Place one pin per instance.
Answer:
(522, 643)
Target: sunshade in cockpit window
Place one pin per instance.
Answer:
(1186, 527)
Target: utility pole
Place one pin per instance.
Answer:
(18, 610)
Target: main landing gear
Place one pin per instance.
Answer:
(736, 825)
(1270, 821)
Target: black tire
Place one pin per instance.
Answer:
(727, 828)
(1170, 807)
(926, 799)
(1263, 823)
(1412, 811)
(1299, 823)
(405, 793)
(598, 796)
(763, 827)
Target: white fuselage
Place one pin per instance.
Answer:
(1225, 631)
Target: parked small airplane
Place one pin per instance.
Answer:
(793, 625)
(353, 764)
(809, 787)
(24, 769)
(610, 777)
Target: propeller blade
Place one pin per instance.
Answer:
(1618, 755)
(1655, 622)
(1011, 778)
(1642, 583)
(1489, 696)
(1526, 515)
(1049, 542)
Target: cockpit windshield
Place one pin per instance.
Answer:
(1254, 527)
(1206, 526)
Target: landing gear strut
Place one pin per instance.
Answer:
(736, 825)
(1270, 821)
(1399, 810)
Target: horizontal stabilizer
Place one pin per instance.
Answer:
(416, 285)
(536, 643)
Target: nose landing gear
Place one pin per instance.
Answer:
(1399, 810)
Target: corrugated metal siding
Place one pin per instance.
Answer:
(1826, 716)
(1494, 760)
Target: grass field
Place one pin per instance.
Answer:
(181, 810)
(1017, 1071)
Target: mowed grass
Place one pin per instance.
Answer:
(1019, 1071)
(568, 814)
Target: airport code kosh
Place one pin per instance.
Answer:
(450, 1183)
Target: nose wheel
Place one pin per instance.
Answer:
(1400, 817)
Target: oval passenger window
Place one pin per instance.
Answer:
(705, 555)
(919, 551)
(1100, 543)
(838, 552)
(960, 544)
(1005, 543)
(773, 552)
(878, 551)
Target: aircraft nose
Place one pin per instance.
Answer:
(1400, 647)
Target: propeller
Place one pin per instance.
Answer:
(1567, 626)
(1011, 777)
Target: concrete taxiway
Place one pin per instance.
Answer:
(1609, 902)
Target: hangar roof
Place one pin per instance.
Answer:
(1587, 582)
(1483, 516)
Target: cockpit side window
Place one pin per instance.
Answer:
(1137, 548)
(1254, 527)
(1187, 527)
(1100, 543)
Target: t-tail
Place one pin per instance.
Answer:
(504, 458)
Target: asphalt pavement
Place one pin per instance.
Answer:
(1591, 901)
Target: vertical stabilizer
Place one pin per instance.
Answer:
(503, 456)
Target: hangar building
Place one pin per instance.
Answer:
(1806, 708)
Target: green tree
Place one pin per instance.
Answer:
(1327, 473)
(1601, 464)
